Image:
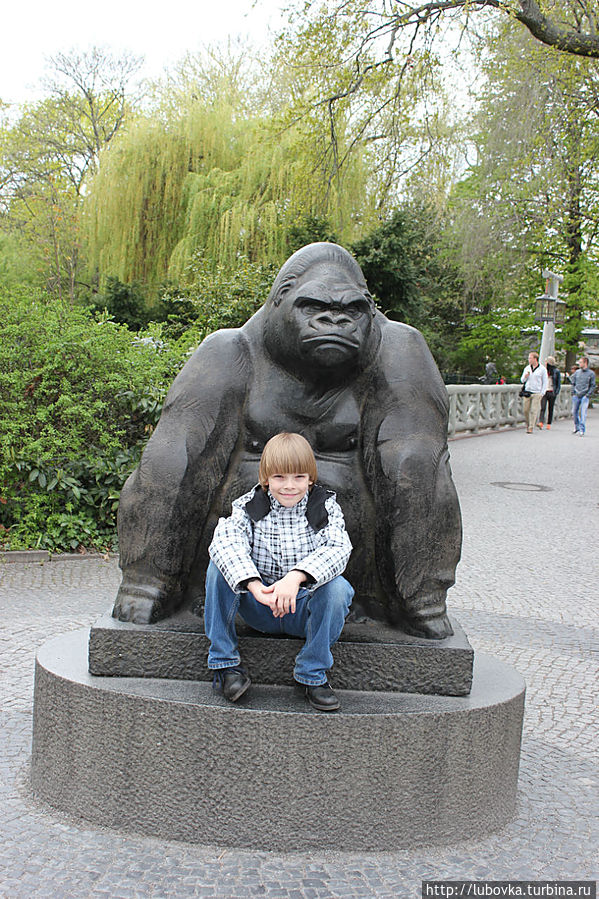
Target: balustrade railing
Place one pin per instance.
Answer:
(476, 407)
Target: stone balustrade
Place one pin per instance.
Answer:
(476, 407)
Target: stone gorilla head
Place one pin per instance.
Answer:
(319, 313)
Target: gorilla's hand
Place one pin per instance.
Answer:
(139, 603)
(434, 628)
(427, 622)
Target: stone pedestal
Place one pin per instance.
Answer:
(172, 759)
(368, 656)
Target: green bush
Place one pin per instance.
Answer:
(80, 394)
(78, 398)
(58, 508)
(309, 229)
(225, 298)
(125, 303)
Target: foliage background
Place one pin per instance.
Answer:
(133, 222)
(81, 393)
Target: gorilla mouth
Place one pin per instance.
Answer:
(336, 339)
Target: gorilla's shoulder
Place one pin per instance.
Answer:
(394, 331)
(397, 336)
(404, 361)
(221, 359)
(225, 340)
(222, 348)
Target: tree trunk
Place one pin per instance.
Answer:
(574, 243)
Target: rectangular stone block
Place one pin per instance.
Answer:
(368, 656)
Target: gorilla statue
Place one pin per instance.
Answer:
(319, 359)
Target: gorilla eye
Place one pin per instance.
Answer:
(355, 309)
(311, 307)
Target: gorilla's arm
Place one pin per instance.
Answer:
(418, 532)
(165, 502)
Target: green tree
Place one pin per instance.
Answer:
(213, 173)
(405, 269)
(391, 111)
(394, 260)
(531, 200)
(569, 26)
(49, 151)
(501, 335)
(17, 263)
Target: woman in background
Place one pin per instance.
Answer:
(554, 384)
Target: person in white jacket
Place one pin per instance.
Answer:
(534, 378)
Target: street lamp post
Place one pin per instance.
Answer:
(550, 311)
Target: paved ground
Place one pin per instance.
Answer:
(527, 592)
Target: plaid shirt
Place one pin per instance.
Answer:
(268, 549)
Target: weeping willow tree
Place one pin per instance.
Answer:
(212, 174)
(250, 209)
(134, 213)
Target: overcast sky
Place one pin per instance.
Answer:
(160, 30)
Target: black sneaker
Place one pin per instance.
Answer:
(322, 698)
(231, 682)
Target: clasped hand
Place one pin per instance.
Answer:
(280, 597)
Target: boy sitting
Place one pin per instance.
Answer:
(277, 561)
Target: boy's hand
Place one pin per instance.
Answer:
(285, 592)
(262, 594)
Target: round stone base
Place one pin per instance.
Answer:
(173, 759)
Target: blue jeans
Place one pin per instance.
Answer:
(318, 618)
(580, 404)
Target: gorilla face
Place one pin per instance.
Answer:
(324, 320)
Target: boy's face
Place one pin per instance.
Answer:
(289, 489)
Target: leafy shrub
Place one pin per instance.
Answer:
(78, 398)
(125, 303)
(63, 508)
(225, 298)
(309, 229)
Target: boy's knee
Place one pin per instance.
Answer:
(337, 594)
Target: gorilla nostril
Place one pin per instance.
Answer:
(333, 317)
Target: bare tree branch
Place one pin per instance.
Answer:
(568, 40)
(562, 36)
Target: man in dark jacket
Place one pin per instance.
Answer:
(583, 387)
(554, 384)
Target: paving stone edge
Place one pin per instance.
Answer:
(42, 555)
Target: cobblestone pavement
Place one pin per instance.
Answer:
(526, 592)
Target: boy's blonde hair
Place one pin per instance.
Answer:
(287, 454)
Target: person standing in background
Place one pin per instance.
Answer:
(554, 384)
(534, 378)
(583, 387)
